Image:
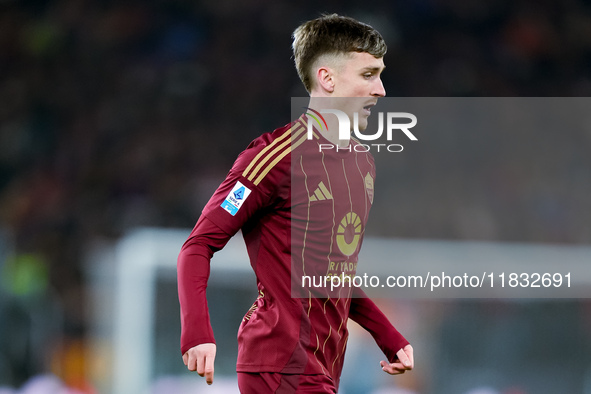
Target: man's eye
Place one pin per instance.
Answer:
(368, 75)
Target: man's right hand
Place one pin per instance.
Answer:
(200, 358)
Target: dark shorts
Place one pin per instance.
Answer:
(278, 383)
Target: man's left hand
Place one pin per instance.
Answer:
(404, 363)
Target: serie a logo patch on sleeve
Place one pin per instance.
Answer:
(235, 198)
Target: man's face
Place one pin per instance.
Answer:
(359, 76)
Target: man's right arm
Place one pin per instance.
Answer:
(193, 268)
(257, 179)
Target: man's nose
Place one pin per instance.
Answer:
(378, 89)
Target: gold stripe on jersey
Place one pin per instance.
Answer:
(263, 151)
(280, 156)
(318, 361)
(327, 338)
(306, 232)
(305, 124)
(342, 351)
(283, 149)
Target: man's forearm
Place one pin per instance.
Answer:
(193, 268)
(367, 314)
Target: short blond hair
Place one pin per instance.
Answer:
(332, 35)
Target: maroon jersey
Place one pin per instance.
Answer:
(302, 212)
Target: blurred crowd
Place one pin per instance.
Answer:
(117, 114)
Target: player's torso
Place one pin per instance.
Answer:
(331, 196)
(324, 216)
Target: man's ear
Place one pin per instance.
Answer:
(325, 79)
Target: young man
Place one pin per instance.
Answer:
(302, 211)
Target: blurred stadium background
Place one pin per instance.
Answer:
(122, 115)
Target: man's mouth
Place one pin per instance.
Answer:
(367, 108)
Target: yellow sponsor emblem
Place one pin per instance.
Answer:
(349, 233)
(369, 186)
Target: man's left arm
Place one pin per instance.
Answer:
(397, 349)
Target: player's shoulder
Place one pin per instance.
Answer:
(268, 153)
(274, 137)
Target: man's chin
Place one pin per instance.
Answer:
(362, 124)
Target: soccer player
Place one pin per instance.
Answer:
(302, 211)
